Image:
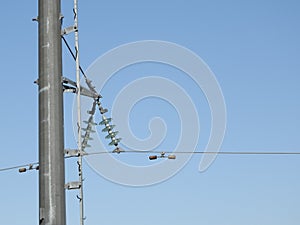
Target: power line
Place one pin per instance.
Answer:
(167, 152)
(17, 167)
(199, 152)
(238, 153)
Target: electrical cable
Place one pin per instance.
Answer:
(17, 167)
(201, 152)
(73, 55)
(167, 152)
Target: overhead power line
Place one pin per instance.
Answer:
(167, 152)
(17, 167)
(238, 153)
(200, 152)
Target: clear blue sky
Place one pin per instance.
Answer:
(254, 51)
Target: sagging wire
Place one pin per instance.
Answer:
(22, 168)
(29, 165)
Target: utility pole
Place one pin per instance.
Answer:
(52, 210)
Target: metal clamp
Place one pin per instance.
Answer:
(69, 30)
(73, 185)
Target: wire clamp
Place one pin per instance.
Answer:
(72, 152)
(73, 185)
(69, 30)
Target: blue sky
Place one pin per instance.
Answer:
(253, 49)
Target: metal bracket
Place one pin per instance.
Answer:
(73, 88)
(36, 19)
(72, 152)
(68, 81)
(69, 89)
(83, 91)
(69, 30)
(42, 215)
(73, 185)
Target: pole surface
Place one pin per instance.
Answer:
(52, 210)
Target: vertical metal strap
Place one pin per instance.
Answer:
(75, 10)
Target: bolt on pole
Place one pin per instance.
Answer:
(52, 210)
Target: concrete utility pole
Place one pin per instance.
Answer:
(51, 136)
